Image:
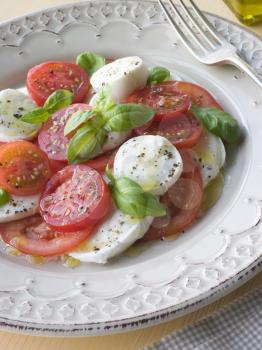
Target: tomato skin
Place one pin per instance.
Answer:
(164, 98)
(183, 131)
(199, 95)
(99, 163)
(75, 198)
(24, 168)
(183, 201)
(32, 236)
(45, 78)
(51, 138)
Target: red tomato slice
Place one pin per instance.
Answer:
(45, 78)
(51, 137)
(199, 95)
(164, 98)
(183, 130)
(33, 236)
(100, 163)
(183, 202)
(75, 198)
(24, 168)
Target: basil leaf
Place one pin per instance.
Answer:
(132, 200)
(77, 119)
(86, 144)
(104, 100)
(217, 122)
(158, 75)
(90, 62)
(36, 116)
(125, 117)
(58, 100)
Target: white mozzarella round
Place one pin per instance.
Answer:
(13, 104)
(124, 76)
(19, 207)
(151, 161)
(211, 156)
(113, 237)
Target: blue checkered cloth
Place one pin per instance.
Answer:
(238, 326)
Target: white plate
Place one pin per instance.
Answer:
(169, 278)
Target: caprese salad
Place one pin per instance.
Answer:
(99, 154)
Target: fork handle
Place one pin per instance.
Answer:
(244, 66)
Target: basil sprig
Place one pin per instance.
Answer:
(87, 142)
(158, 75)
(56, 101)
(217, 122)
(90, 62)
(126, 117)
(105, 117)
(77, 119)
(131, 199)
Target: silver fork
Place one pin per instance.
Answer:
(206, 44)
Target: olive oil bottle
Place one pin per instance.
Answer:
(248, 11)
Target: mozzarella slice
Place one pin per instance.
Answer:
(151, 161)
(19, 207)
(114, 236)
(13, 104)
(211, 156)
(124, 75)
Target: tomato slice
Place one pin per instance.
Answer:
(45, 78)
(182, 201)
(33, 236)
(164, 98)
(199, 95)
(51, 137)
(24, 168)
(184, 131)
(74, 198)
(100, 163)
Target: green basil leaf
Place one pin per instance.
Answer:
(132, 200)
(77, 119)
(36, 116)
(90, 62)
(104, 100)
(125, 117)
(58, 100)
(4, 196)
(158, 75)
(217, 122)
(86, 144)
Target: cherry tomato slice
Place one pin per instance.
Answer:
(45, 78)
(164, 98)
(199, 95)
(75, 197)
(183, 202)
(51, 137)
(33, 236)
(24, 168)
(100, 163)
(183, 131)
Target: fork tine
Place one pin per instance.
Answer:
(192, 18)
(176, 27)
(188, 29)
(207, 24)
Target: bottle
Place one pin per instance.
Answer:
(248, 11)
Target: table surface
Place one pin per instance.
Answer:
(134, 340)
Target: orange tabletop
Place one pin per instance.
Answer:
(134, 340)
